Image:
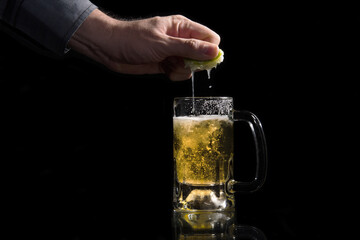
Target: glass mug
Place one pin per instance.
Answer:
(203, 154)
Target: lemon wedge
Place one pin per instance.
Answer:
(204, 65)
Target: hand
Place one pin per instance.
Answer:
(148, 46)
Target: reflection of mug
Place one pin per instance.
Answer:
(208, 225)
(203, 153)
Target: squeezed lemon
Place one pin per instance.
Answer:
(195, 65)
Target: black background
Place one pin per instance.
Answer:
(86, 152)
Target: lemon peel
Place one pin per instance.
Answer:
(204, 65)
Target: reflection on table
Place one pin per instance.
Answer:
(212, 225)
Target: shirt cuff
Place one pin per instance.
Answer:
(50, 23)
(77, 24)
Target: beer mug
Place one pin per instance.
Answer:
(203, 152)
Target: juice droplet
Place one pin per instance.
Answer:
(208, 72)
(192, 83)
(193, 91)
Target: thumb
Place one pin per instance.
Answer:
(192, 48)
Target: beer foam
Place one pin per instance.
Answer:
(204, 117)
(213, 107)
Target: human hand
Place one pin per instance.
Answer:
(148, 46)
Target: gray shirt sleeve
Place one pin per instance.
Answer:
(49, 22)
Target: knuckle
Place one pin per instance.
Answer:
(192, 43)
(218, 38)
(155, 20)
(179, 17)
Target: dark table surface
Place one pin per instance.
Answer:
(87, 153)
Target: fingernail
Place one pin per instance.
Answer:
(211, 51)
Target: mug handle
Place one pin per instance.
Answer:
(261, 154)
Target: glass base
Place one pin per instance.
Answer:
(203, 198)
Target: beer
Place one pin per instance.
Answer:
(203, 147)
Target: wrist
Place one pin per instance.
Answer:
(92, 35)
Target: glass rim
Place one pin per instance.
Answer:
(204, 98)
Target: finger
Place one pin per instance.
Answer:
(179, 76)
(191, 48)
(195, 30)
(151, 68)
(185, 28)
(174, 68)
